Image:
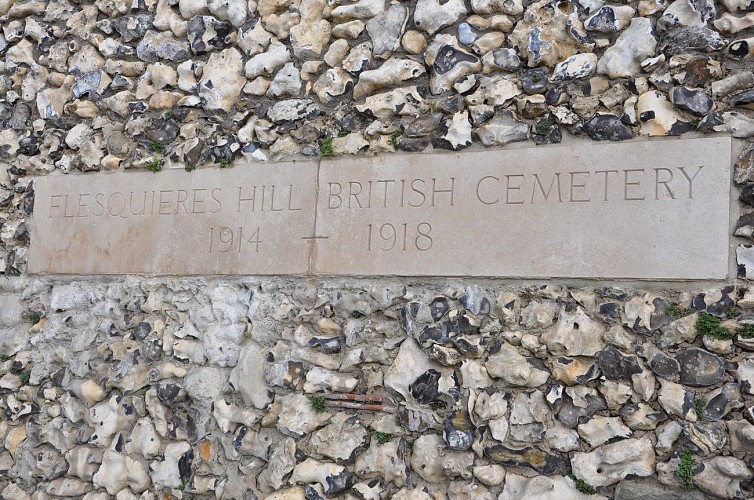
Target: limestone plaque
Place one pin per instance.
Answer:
(248, 220)
(653, 209)
(643, 210)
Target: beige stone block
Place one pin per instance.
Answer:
(646, 209)
(249, 219)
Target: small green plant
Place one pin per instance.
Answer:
(343, 133)
(745, 331)
(225, 163)
(583, 486)
(695, 122)
(675, 311)
(35, 317)
(318, 403)
(699, 404)
(184, 483)
(544, 127)
(5, 357)
(410, 444)
(709, 325)
(325, 147)
(732, 312)
(382, 437)
(394, 137)
(156, 147)
(169, 115)
(25, 376)
(190, 167)
(154, 165)
(685, 469)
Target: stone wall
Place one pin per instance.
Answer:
(171, 388)
(139, 387)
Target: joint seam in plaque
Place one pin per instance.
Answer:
(313, 239)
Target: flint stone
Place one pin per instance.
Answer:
(543, 488)
(575, 67)
(616, 366)
(386, 29)
(664, 366)
(248, 376)
(692, 100)
(642, 417)
(205, 34)
(514, 369)
(163, 45)
(431, 16)
(700, 368)
(610, 19)
(743, 99)
(623, 59)
(613, 462)
(503, 129)
(722, 401)
(722, 477)
(691, 38)
(607, 127)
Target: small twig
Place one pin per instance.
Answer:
(352, 397)
(359, 406)
(370, 402)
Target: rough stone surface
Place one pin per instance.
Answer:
(198, 387)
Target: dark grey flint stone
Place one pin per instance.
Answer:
(700, 368)
(571, 415)
(664, 366)
(458, 431)
(438, 307)
(21, 116)
(722, 404)
(534, 81)
(691, 38)
(718, 308)
(164, 131)
(412, 144)
(607, 127)
(743, 99)
(616, 366)
(423, 125)
(692, 100)
(132, 27)
(747, 195)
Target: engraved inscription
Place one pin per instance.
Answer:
(624, 211)
(397, 236)
(651, 209)
(204, 222)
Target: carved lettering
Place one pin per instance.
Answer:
(450, 190)
(690, 179)
(513, 186)
(669, 178)
(487, 200)
(578, 184)
(632, 184)
(554, 182)
(606, 179)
